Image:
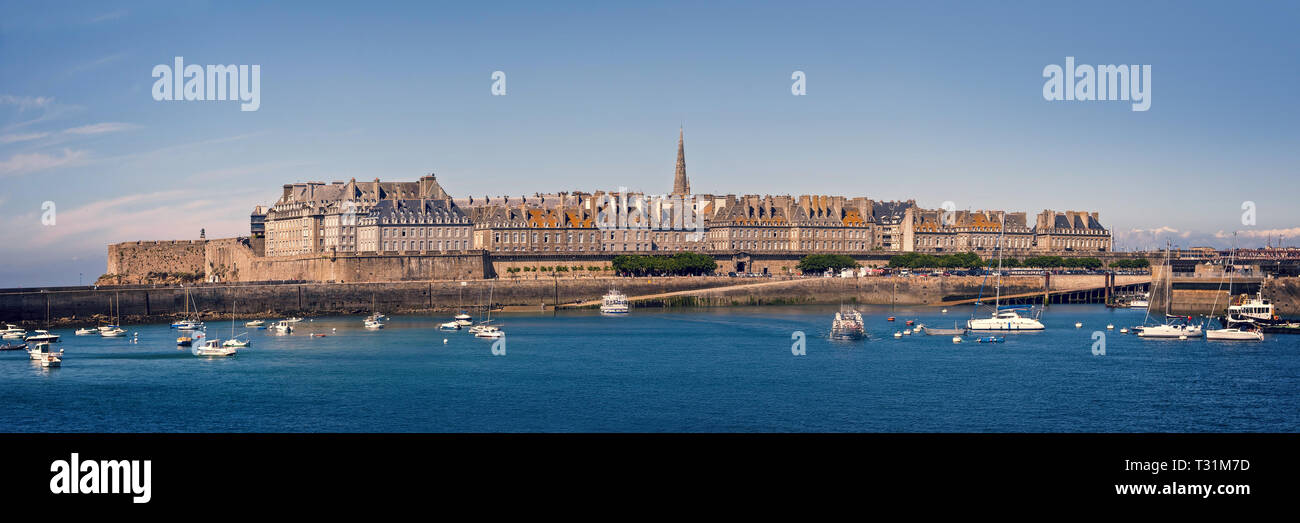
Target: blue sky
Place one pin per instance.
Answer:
(934, 101)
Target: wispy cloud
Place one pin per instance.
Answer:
(26, 102)
(162, 215)
(96, 63)
(1293, 232)
(23, 163)
(114, 15)
(101, 128)
(21, 137)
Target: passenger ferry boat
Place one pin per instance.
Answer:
(1251, 309)
(847, 325)
(613, 302)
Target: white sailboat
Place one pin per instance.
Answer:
(1002, 319)
(1179, 327)
(486, 329)
(1234, 330)
(372, 321)
(234, 341)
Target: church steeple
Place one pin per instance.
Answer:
(680, 184)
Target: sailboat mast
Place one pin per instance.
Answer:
(997, 300)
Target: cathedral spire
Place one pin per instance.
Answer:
(681, 185)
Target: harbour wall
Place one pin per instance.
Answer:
(139, 304)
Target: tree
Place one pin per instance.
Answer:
(817, 263)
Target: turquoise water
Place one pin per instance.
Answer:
(716, 369)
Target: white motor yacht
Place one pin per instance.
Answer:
(39, 336)
(41, 352)
(213, 348)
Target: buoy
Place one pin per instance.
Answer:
(956, 339)
(945, 311)
(898, 335)
(1078, 324)
(907, 332)
(444, 341)
(1110, 327)
(1124, 330)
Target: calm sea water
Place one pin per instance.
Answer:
(718, 369)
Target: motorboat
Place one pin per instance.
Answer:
(613, 302)
(294, 319)
(236, 343)
(87, 331)
(1140, 303)
(213, 348)
(41, 352)
(188, 325)
(283, 326)
(450, 326)
(13, 332)
(256, 324)
(184, 341)
(39, 336)
(847, 324)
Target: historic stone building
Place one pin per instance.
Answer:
(420, 217)
(925, 230)
(1071, 231)
(965, 231)
(402, 226)
(784, 224)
